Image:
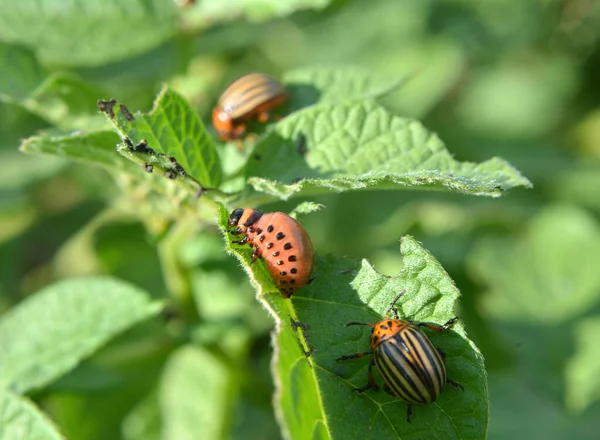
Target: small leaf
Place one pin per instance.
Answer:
(174, 129)
(196, 397)
(48, 334)
(21, 420)
(99, 31)
(548, 274)
(582, 379)
(310, 389)
(306, 208)
(329, 85)
(359, 145)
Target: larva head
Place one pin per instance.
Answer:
(244, 217)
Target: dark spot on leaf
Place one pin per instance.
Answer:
(126, 113)
(107, 107)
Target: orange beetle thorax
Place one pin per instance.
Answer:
(386, 329)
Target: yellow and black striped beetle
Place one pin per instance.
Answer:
(412, 368)
(252, 95)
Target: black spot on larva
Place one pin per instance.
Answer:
(292, 281)
(261, 238)
(258, 231)
(389, 323)
(287, 246)
(283, 273)
(280, 236)
(170, 175)
(148, 167)
(269, 246)
(383, 327)
(294, 270)
(276, 253)
(270, 228)
(283, 282)
(292, 258)
(128, 142)
(279, 263)
(375, 339)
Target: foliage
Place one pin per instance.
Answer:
(126, 310)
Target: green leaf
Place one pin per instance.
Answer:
(196, 395)
(67, 101)
(98, 148)
(359, 145)
(143, 421)
(328, 85)
(21, 420)
(99, 31)
(315, 397)
(173, 128)
(20, 74)
(514, 395)
(48, 334)
(582, 380)
(548, 274)
(208, 12)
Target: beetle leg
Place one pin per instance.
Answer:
(371, 385)
(409, 412)
(439, 328)
(263, 117)
(242, 241)
(239, 131)
(388, 390)
(354, 356)
(255, 254)
(455, 384)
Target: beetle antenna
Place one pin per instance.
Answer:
(359, 323)
(393, 304)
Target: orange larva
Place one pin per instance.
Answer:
(281, 241)
(252, 95)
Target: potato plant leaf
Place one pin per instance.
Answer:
(20, 419)
(99, 31)
(360, 145)
(73, 318)
(174, 129)
(314, 396)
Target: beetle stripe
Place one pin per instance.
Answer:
(248, 92)
(428, 359)
(398, 372)
(411, 366)
(249, 101)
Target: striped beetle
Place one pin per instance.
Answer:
(412, 368)
(251, 95)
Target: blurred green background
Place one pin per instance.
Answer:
(515, 79)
